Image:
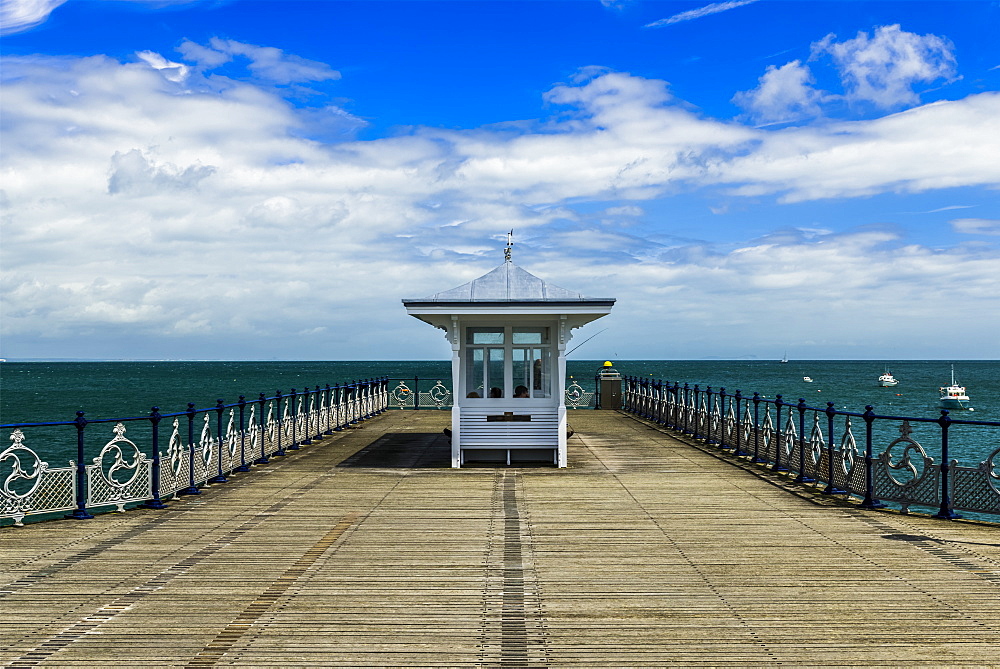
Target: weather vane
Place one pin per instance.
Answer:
(510, 245)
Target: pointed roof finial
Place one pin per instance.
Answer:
(510, 245)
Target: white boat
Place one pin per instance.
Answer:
(887, 380)
(784, 358)
(807, 379)
(954, 396)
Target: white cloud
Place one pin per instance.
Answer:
(132, 173)
(20, 15)
(940, 145)
(266, 62)
(176, 72)
(784, 94)
(707, 10)
(976, 226)
(884, 68)
(624, 210)
(169, 208)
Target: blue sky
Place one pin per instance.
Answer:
(265, 180)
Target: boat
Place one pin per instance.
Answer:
(807, 379)
(954, 396)
(784, 358)
(887, 380)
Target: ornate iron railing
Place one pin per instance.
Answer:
(409, 394)
(818, 446)
(416, 393)
(204, 447)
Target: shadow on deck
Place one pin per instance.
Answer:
(421, 450)
(404, 450)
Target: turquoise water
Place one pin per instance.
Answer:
(34, 392)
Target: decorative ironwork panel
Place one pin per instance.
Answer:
(120, 473)
(701, 417)
(714, 418)
(848, 465)
(816, 450)
(790, 443)
(29, 486)
(231, 446)
(749, 429)
(768, 446)
(438, 396)
(401, 396)
(286, 427)
(205, 453)
(577, 397)
(270, 431)
(173, 463)
(977, 488)
(913, 478)
(730, 427)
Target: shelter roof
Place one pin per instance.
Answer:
(507, 283)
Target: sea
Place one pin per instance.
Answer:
(45, 391)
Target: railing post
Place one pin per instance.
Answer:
(831, 488)
(320, 407)
(416, 393)
(243, 437)
(696, 405)
(723, 420)
(337, 427)
(708, 436)
(870, 502)
(351, 402)
(670, 416)
(685, 412)
(779, 434)
(219, 477)
(738, 424)
(802, 478)
(262, 425)
(366, 406)
(155, 502)
(294, 446)
(945, 512)
(279, 412)
(756, 429)
(192, 489)
(315, 406)
(80, 512)
(328, 419)
(660, 404)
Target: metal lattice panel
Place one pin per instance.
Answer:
(120, 473)
(29, 486)
(977, 488)
(913, 478)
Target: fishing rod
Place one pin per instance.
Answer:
(585, 341)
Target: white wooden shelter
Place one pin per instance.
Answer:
(508, 332)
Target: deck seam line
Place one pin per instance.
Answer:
(241, 624)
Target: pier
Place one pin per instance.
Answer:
(364, 548)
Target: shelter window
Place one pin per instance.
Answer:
(531, 362)
(485, 366)
(485, 336)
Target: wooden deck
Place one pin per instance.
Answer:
(366, 550)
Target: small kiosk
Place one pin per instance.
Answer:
(508, 332)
